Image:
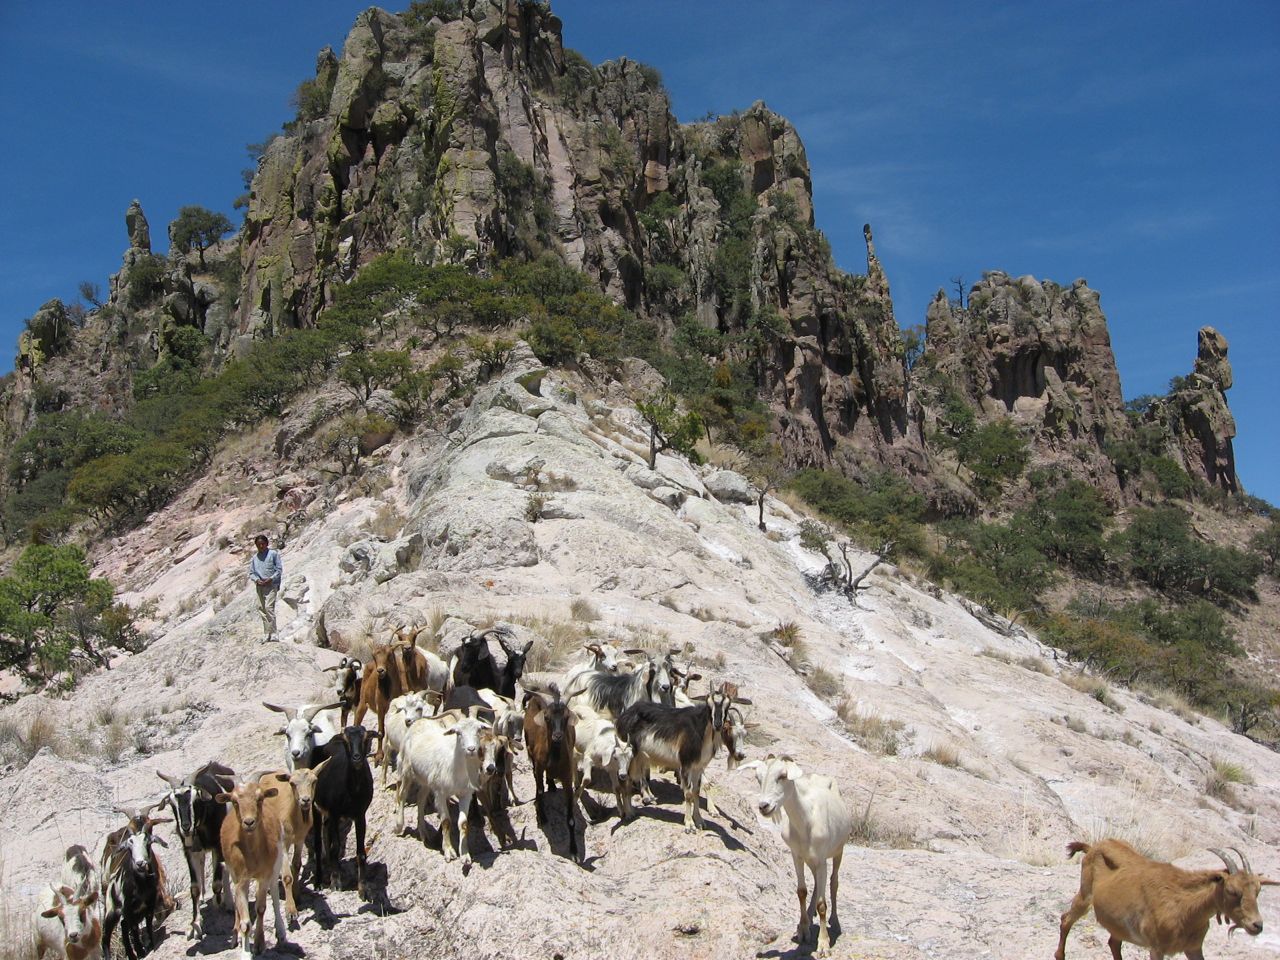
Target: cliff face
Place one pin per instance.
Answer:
(1039, 354)
(481, 137)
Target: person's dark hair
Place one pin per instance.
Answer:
(261, 538)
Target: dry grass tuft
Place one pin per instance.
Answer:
(387, 522)
(560, 641)
(824, 683)
(1223, 775)
(872, 731)
(1141, 818)
(17, 934)
(584, 610)
(944, 754)
(1163, 698)
(787, 633)
(869, 830)
(1093, 687)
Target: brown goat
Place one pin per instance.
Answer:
(1157, 905)
(549, 737)
(253, 849)
(382, 682)
(293, 808)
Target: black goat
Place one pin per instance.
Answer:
(513, 670)
(549, 737)
(343, 791)
(133, 882)
(472, 664)
(197, 818)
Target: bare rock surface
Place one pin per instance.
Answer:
(966, 758)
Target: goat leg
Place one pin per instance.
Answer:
(360, 857)
(195, 866)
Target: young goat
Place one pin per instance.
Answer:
(253, 846)
(197, 818)
(68, 922)
(1156, 905)
(404, 712)
(383, 682)
(816, 826)
(549, 735)
(597, 744)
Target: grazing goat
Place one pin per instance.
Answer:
(343, 791)
(1157, 905)
(197, 818)
(597, 744)
(440, 764)
(132, 880)
(610, 694)
(293, 807)
(404, 711)
(347, 685)
(68, 923)
(472, 664)
(549, 736)
(816, 824)
(682, 739)
(381, 684)
(302, 734)
(253, 847)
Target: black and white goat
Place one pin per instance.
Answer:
(513, 669)
(197, 818)
(346, 686)
(682, 739)
(133, 881)
(610, 694)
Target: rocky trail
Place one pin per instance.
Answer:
(967, 759)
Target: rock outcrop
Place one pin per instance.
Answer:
(1039, 354)
(1197, 419)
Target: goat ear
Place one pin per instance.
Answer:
(160, 841)
(282, 731)
(451, 732)
(694, 676)
(270, 792)
(793, 771)
(515, 746)
(51, 913)
(742, 700)
(1268, 883)
(91, 899)
(222, 798)
(751, 765)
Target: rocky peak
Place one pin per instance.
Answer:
(139, 231)
(1198, 422)
(1037, 353)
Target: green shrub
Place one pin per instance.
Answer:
(1069, 522)
(1267, 543)
(1172, 479)
(146, 281)
(1161, 550)
(996, 453)
(884, 508)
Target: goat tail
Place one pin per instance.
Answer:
(1075, 846)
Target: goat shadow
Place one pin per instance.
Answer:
(219, 934)
(550, 814)
(806, 949)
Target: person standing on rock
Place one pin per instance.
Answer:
(266, 570)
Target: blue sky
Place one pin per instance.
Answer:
(1134, 144)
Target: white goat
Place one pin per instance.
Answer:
(602, 657)
(597, 744)
(816, 825)
(404, 711)
(303, 731)
(443, 764)
(69, 919)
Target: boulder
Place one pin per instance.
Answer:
(730, 487)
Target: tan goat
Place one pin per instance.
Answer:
(293, 807)
(1157, 905)
(382, 682)
(253, 849)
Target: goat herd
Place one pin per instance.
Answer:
(450, 729)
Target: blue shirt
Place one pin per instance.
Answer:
(266, 567)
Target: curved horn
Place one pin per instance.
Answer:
(1244, 861)
(287, 711)
(1231, 865)
(172, 781)
(633, 651)
(309, 714)
(335, 668)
